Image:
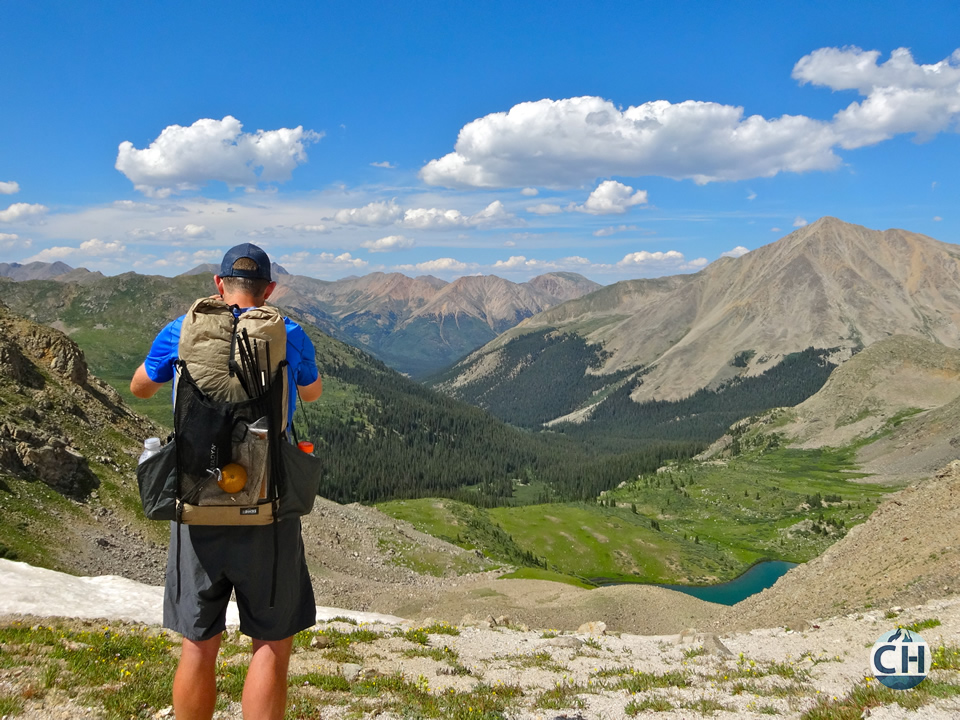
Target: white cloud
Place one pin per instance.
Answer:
(11, 241)
(571, 141)
(184, 158)
(751, 195)
(515, 261)
(438, 265)
(545, 209)
(21, 211)
(87, 249)
(187, 259)
(530, 192)
(174, 233)
(775, 229)
(310, 229)
(937, 218)
(612, 198)
(900, 95)
(670, 261)
(390, 243)
(375, 214)
(306, 260)
(385, 164)
(9, 188)
(613, 229)
(738, 251)
(799, 222)
(435, 219)
(133, 206)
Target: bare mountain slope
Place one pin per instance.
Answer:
(898, 375)
(907, 552)
(827, 285)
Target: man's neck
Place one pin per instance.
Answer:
(244, 301)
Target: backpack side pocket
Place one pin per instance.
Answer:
(157, 480)
(301, 481)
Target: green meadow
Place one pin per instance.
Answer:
(696, 523)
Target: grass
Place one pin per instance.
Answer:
(922, 625)
(870, 693)
(697, 523)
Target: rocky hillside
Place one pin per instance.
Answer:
(908, 552)
(68, 445)
(829, 285)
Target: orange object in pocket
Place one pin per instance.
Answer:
(306, 446)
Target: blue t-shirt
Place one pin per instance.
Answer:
(302, 369)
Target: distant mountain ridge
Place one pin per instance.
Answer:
(420, 325)
(416, 325)
(829, 285)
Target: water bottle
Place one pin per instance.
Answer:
(151, 446)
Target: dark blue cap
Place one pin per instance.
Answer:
(247, 250)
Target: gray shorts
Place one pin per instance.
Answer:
(217, 560)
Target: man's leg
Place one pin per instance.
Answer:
(195, 684)
(265, 690)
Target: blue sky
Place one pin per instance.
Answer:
(613, 139)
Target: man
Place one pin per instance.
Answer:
(216, 560)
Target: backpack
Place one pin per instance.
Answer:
(230, 411)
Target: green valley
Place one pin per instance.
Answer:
(692, 523)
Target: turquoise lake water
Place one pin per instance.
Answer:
(757, 578)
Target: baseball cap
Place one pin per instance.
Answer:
(246, 250)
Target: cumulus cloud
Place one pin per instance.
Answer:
(132, 206)
(545, 209)
(172, 234)
(900, 95)
(390, 243)
(183, 259)
(574, 140)
(384, 164)
(388, 213)
(530, 192)
(185, 158)
(513, 262)
(672, 260)
(799, 222)
(373, 214)
(438, 265)
(89, 248)
(9, 188)
(612, 198)
(12, 241)
(613, 229)
(738, 251)
(317, 261)
(311, 229)
(22, 211)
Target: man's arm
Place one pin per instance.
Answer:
(143, 387)
(309, 393)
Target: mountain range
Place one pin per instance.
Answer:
(421, 325)
(415, 325)
(830, 286)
